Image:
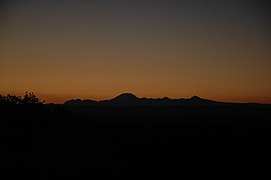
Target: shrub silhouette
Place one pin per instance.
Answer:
(29, 99)
(10, 100)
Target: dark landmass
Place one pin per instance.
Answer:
(128, 99)
(134, 138)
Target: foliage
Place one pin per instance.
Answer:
(29, 99)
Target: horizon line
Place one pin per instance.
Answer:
(62, 98)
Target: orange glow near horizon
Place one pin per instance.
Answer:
(60, 99)
(63, 51)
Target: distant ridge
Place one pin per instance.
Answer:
(129, 99)
(80, 102)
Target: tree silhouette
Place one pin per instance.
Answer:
(29, 99)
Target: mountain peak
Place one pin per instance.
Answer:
(129, 99)
(126, 96)
(125, 99)
(195, 98)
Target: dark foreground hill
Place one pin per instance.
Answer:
(116, 140)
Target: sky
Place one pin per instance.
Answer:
(64, 49)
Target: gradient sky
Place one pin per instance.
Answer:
(63, 49)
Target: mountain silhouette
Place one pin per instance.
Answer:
(129, 99)
(126, 96)
(123, 99)
(80, 102)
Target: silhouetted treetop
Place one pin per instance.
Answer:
(29, 99)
